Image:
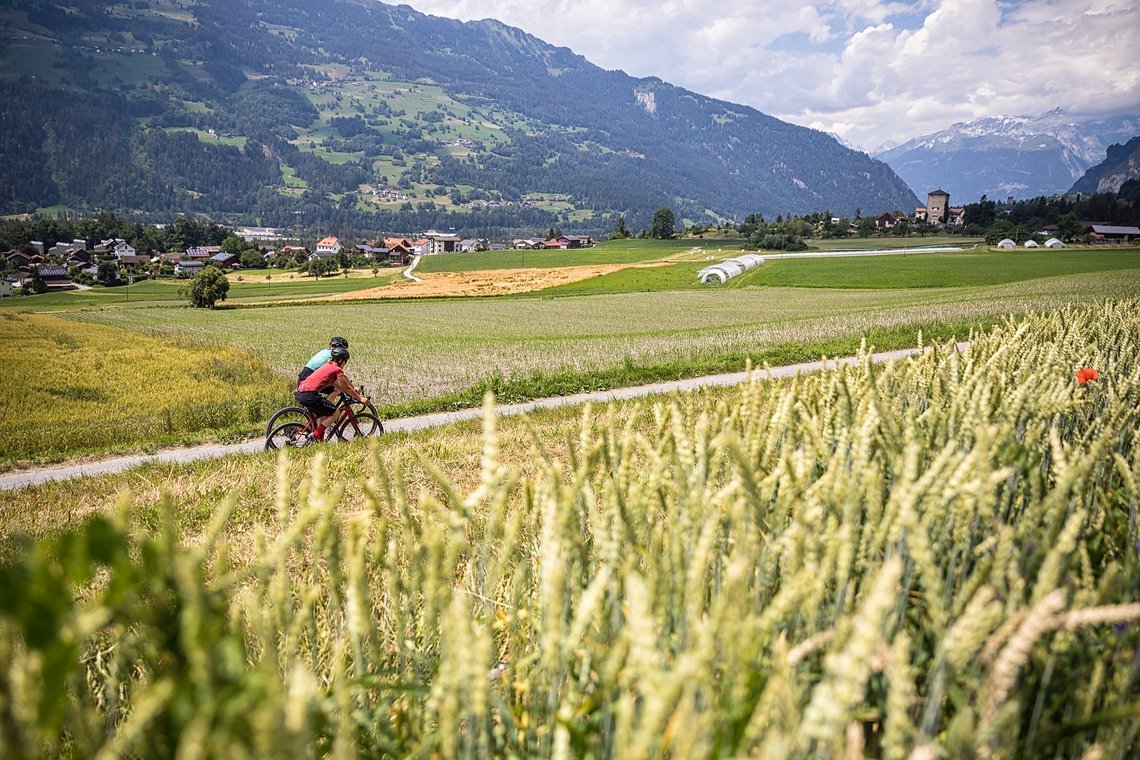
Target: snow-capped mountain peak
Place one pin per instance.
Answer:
(1018, 155)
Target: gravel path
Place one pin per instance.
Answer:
(411, 268)
(24, 478)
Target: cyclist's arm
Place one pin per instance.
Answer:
(343, 385)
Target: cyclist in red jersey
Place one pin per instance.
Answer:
(332, 374)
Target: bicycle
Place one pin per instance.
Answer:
(349, 424)
(301, 414)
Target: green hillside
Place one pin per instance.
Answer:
(370, 116)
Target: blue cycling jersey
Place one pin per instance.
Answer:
(320, 359)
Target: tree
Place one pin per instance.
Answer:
(619, 230)
(664, 224)
(107, 273)
(233, 244)
(35, 283)
(1068, 227)
(251, 258)
(206, 288)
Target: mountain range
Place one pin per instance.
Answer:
(1002, 156)
(360, 114)
(1120, 165)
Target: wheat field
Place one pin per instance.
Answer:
(934, 558)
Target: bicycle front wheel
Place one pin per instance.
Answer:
(365, 424)
(286, 434)
(286, 414)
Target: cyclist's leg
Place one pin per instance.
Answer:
(319, 407)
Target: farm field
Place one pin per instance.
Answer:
(941, 270)
(609, 252)
(94, 388)
(254, 287)
(591, 581)
(855, 244)
(416, 357)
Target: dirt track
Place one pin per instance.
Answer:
(486, 282)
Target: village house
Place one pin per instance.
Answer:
(371, 252)
(470, 245)
(21, 260)
(133, 260)
(293, 251)
(63, 250)
(328, 246)
(188, 268)
(226, 260)
(421, 247)
(442, 242)
(56, 278)
(885, 221)
(79, 259)
(399, 249)
(202, 252)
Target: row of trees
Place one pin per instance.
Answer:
(1020, 221)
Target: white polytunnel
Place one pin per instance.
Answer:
(720, 273)
(713, 274)
(749, 260)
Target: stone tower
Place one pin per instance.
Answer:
(937, 206)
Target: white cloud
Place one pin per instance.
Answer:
(868, 70)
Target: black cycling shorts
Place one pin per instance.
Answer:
(315, 403)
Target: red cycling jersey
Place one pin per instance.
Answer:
(323, 377)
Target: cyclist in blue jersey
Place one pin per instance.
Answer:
(321, 358)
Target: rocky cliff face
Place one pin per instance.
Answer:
(1120, 165)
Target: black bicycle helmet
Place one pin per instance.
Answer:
(338, 341)
(339, 353)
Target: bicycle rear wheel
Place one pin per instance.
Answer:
(286, 434)
(365, 424)
(287, 414)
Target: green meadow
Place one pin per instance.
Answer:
(252, 289)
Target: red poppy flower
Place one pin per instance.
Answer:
(1087, 373)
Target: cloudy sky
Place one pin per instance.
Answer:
(868, 71)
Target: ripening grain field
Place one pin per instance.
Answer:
(409, 352)
(83, 387)
(939, 557)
